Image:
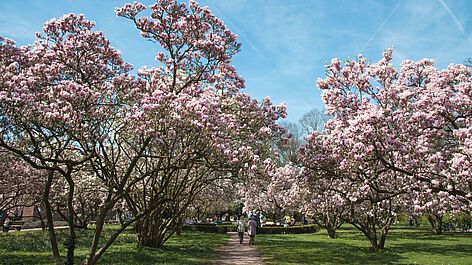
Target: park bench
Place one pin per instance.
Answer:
(272, 225)
(15, 225)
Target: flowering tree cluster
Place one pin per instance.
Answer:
(221, 196)
(60, 99)
(202, 126)
(278, 188)
(97, 139)
(89, 194)
(18, 183)
(401, 135)
(70, 108)
(397, 141)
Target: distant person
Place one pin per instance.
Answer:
(6, 224)
(305, 220)
(251, 230)
(410, 220)
(256, 218)
(241, 228)
(287, 219)
(415, 220)
(293, 221)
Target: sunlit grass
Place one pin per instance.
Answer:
(403, 246)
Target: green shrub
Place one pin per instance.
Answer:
(260, 230)
(210, 228)
(302, 229)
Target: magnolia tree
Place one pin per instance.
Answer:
(69, 106)
(89, 195)
(201, 126)
(280, 174)
(320, 178)
(63, 103)
(394, 139)
(441, 100)
(222, 195)
(19, 183)
(304, 189)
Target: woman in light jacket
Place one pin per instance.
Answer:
(241, 228)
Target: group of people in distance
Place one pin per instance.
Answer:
(251, 229)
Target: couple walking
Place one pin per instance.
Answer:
(251, 229)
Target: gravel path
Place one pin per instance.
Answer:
(235, 253)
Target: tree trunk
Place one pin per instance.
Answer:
(370, 232)
(151, 235)
(178, 226)
(71, 223)
(330, 224)
(90, 259)
(436, 223)
(381, 243)
(331, 232)
(154, 230)
(95, 255)
(373, 241)
(50, 220)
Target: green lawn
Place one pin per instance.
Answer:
(403, 246)
(190, 248)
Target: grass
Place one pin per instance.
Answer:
(34, 248)
(403, 246)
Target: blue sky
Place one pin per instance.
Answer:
(285, 44)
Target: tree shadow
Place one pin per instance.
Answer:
(427, 235)
(13, 258)
(190, 248)
(335, 252)
(457, 250)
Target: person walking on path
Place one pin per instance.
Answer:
(241, 228)
(251, 230)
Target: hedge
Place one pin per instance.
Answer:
(302, 229)
(211, 228)
(305, 229)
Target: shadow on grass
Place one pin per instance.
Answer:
(190, 248)
(352, 247)
(456, 250)
(426, 235)
(333, 252)
(122, 254)
(401, 234)
(27, 258)
(196, 254)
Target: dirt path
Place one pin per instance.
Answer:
(235, 253)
